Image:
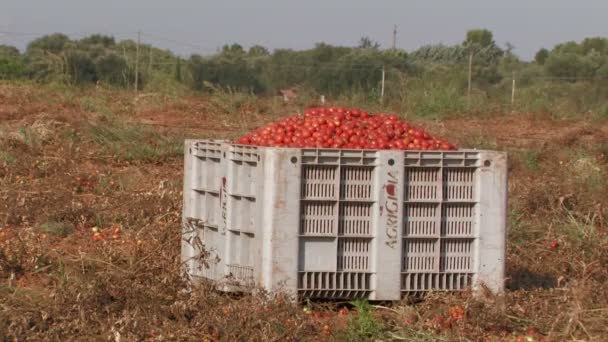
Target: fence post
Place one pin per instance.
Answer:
(513, 90)
(382, 86)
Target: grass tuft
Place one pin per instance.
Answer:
(55, 228)
(136, 143)
(362, 326)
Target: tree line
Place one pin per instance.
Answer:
(327, 69)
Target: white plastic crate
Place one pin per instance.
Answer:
(330, 223)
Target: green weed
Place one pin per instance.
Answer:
(111, 183)
(100, 221)
(586, 171)
(363, 326)
(531, 160)
(580, 230)
(7, 158)
(56, 228)
(229, 100)
(135, 143)
(89, 104)
(28, 136)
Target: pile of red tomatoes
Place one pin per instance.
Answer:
(338, 127)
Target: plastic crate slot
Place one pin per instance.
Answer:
(353, 255)
(458, 183)
(458, 219)
(421, 183)
(355, 219)
(420, 219)
(421, 282)
(456, 255)
(455, 281)
(318, 218)
(356, 182)
(334, 281)
(319, 181)
(419, 255)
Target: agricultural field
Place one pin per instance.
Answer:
(90, 215)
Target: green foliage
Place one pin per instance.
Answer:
(258, 51)
(7, 158)
(113, 69)
(93, 104)
(54, 43)
(479, 37)
(478, 43)
(510, 64)
(91, 59)
(436, 99)
(56, 228)
(570, 65)
(229, 69)
(541, 56)
(563, 98)
(587, 46)
(573, 60)
(45, 66)
(80, 67)
(486, 55)
(363, 326)
(330, 70)
(29, 136)
(368, 43)
(98, 39)
(11, 63)
(531, 159)
(135, 143)
(229, 100)
(160, 82)
(178, 70)
(9, 51)
(595, 44)
(430, 81)
(439, 54)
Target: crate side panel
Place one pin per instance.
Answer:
(356, 183)
(420, 219)
(318, 218)
(319, 182)
(422, 184)
(356, 219)
(317, 254)
(353, 254)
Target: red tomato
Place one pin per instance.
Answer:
(339, 127)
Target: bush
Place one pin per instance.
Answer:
(113, 69)
(570, 65)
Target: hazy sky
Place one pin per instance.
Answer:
(201, 26)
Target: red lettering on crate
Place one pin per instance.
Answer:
(392, 206)
(223, 203)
